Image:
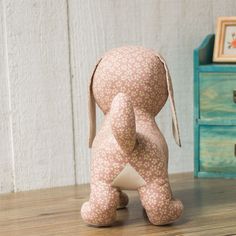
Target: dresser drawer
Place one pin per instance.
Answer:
(217, 95)
(217, 149)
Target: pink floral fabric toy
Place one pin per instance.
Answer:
(130, 85)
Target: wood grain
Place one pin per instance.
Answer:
(37, 43)
(216, 96)
(217, 149)
(97, 26)
(6, 165)
(209, 210)
(40, 37)
(214, 115)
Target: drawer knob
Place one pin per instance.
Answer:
(234, 96)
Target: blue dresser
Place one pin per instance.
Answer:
(214, 114)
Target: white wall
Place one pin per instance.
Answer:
(47, 51)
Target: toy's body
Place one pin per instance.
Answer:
(130, 85)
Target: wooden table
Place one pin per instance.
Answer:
(210, 209)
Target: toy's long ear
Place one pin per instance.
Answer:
(175, 125)
(92, 109)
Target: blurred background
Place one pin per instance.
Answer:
(48, 49)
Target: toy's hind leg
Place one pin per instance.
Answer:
(123, 200)
(100, 210)
(157, 200)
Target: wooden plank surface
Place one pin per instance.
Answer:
(6, 165)
(97, 26)
(209, 210)
(37, 43)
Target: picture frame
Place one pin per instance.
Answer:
(225, 40)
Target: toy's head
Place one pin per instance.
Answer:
(138, 72)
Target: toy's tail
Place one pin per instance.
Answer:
(123, 122)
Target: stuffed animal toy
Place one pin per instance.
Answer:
(130, 85)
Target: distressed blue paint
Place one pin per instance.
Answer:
(216, 96)
(217, 68)
(216, 122)
(215, 119)
(216, 175)
(217, 149)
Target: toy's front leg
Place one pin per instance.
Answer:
(100, 210)
(157, 200)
